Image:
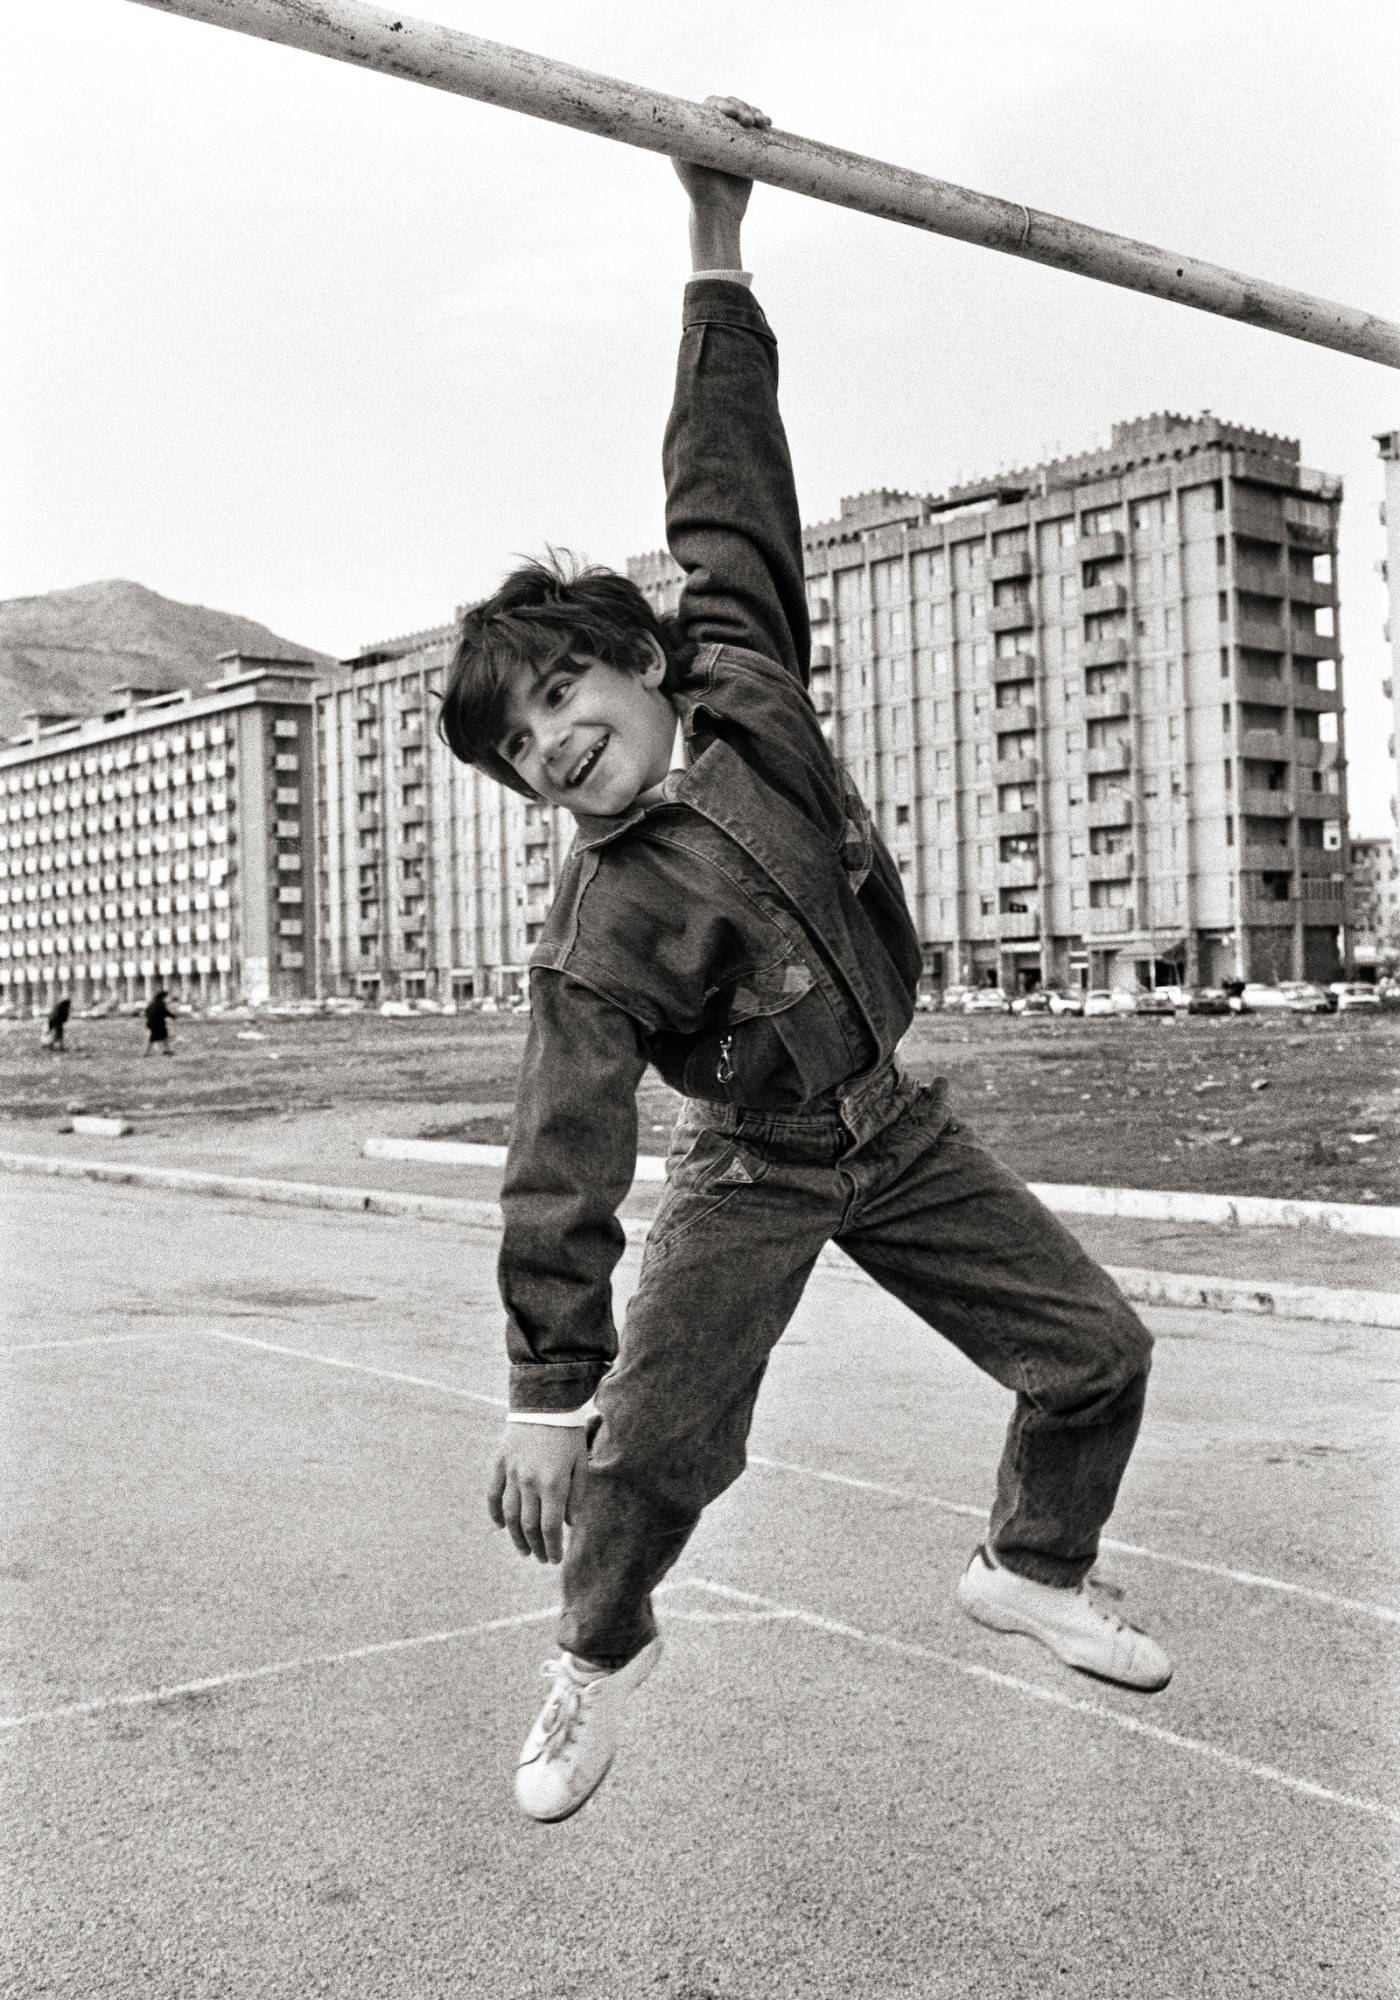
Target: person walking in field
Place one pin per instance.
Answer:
(157, 1019)
(57, 1022)
(729, 915)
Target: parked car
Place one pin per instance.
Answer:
(1098, 1003)
(1353, 996)
(1304, 997)
(955, 997)
(1208, 1000)
(1124, 1000)
(1037, 1002)
(987, 1000)
(1155, 1000)
(1258, 997)
(925, 1003)
(1065, 1003)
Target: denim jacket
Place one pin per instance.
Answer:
(747, 932)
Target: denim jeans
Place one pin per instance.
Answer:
(915, 1199)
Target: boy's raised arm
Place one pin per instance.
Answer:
(731, 505)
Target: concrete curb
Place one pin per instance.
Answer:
(1154, 1288)
(1229, 1211)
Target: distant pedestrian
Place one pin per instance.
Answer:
(157, 1015)
(58, 1021)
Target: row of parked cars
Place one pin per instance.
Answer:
(1293, 996)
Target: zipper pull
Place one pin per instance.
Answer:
(724, 1068)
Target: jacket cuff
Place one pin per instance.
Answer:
(717, 302)
(553, 1387)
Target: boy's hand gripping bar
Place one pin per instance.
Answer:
(446, 59)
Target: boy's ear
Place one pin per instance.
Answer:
(654, 670)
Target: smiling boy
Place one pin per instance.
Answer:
(729, 916)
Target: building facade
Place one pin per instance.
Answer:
(167, 842)
(1389, 443)
(435, 881)
(1096, 708)
(1374, 905)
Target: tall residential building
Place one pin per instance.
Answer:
(1374, 903)
(1389, 442)
(1096, 708)
(167, 841)
(435, 881)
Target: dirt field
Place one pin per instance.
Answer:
(1242, 1105)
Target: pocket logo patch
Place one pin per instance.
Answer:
(736, 1171)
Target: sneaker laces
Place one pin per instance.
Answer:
(559, 1718)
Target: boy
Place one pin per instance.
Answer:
(728, 915)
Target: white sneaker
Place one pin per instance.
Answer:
(1077, 1629)
(570, 1750)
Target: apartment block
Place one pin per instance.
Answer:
(167, 842)
(1374, 903)
(1389, 443)
(435, 881)
(1096, 708)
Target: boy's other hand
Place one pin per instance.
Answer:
(718, 201)
(531, 1486)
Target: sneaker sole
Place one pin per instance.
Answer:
(979, 1617)
(557, 1819)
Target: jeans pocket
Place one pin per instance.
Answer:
(709, 1174)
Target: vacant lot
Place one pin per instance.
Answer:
(1303, 1107)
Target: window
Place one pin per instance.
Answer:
(1068, 534)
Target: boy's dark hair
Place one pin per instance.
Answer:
(544, 611)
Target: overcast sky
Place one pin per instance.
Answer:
(328, 350)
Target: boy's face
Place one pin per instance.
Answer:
(589, 736)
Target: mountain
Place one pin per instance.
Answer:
(64, 652)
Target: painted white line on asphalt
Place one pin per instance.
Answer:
(355, 1367)
(86, 1340)
(1382, 1611)
(849, 1480)
(1052, 1697)
(76, 1711)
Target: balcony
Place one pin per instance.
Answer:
(1107, 707)
(1010, 617)
(1021, 874)
(821, 656)
(1101, 598)
(1115, 811)
(1267, 744)
(1307, 590)
(1120, 922)
(1258, 803)
(1261, 635)
(1016, 771)
(1303, 535)
(1104, 652)
(1258, 858)
(1018, 667)
(1111, 867)
(1307, 644)
(1101, 548)
(1017, 823)
(1260, 579)
(1257, 514)
(367, 822)
(1106, 757)
(1008, 568)
(1017, 716)
(1319, 700)
(1259, 907)
(1018, 923)
(1257, 684)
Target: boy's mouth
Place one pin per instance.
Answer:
(585, 764)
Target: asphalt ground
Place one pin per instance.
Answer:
(269, 1667)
